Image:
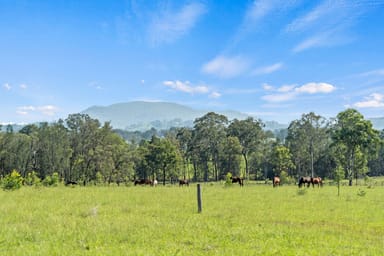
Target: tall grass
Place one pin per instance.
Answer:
(253, 220)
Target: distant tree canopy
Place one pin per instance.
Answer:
(83, 150)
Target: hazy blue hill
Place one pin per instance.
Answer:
(140, 115)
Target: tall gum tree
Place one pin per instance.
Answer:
(250, 133)
(354, 136)
(307, 139)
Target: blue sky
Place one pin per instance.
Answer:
(273, 59)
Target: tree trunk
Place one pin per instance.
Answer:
(246, 166)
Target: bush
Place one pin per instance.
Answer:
(12, 181)
(51, 180)
(228, 180)
(32, 179)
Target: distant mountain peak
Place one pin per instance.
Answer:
(142, 115)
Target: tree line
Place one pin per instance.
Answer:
(83, 150)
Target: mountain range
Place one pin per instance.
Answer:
(142, 116)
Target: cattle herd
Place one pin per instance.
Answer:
(303, 181)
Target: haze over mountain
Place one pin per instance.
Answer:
(141, 115)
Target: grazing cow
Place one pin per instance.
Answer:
(143, 182)
(154, 183)
(305, 180)
(70, 182)
(238, 180)
(276, 181)
(183, 182)
(317, 181)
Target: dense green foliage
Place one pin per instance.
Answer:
(252, 220)
(80, 149)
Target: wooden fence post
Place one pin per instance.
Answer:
(199, 208)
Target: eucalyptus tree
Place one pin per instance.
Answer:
(281, 160)
(307, 139)
(14, 153)
(250, 135)
(53, 150)
(376, 165)
(142, 168)
(83, 136)
(209, 132)
(162, 156)
(113, 156)
(230, 158)
(354, 137)
(184, 138)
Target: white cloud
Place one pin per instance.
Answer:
(268, 69)
(280, 97)
(226, 67)
(215, 95)
(289, 92)
(313, 88)
(7, 86)
(48, 110)
(24, 110)
(375, 100)
(169, 26)
(267, 87)
(187, 87)
(23, 86)
(286, 88)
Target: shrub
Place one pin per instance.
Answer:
(32, 179)
(228, 180)
(51, 180)
(12, 181)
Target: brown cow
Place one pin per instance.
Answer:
(238, 180)
(276, 181)
(183, 182)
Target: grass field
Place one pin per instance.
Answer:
(253, 220)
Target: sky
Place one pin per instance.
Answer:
(272, 59)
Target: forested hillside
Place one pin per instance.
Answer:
(83, 150)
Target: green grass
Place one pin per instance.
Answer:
(253, 220)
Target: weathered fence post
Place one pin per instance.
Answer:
(199, 199)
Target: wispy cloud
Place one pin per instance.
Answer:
(226, 67)
(96, 85)
(187, 87)
(267, 69)
(259, 10)
(47, 110)
(375, 100)
(7, 86)
(168, 26)
(290, 92)
(376, 72)
(327, 12)
(327, 24)
(214, 95)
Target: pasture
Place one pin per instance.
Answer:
(137, 220)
